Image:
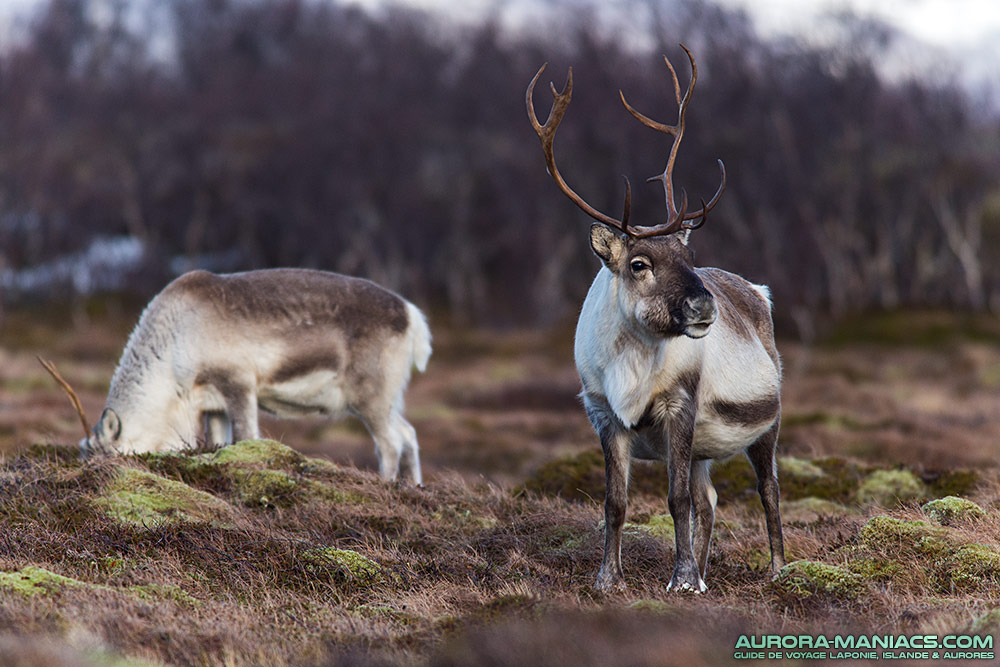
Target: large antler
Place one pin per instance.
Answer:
(547, 134)
(677, 219)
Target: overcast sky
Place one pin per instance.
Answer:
(968, 31)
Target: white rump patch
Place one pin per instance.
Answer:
(764, 291)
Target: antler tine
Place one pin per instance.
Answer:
(74, 399)
(676, 131)
(547, 134)
(628, 204)
(714, 200)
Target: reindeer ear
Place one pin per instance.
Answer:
(608, 245)
(109, 426)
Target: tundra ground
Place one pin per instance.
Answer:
(296, 554)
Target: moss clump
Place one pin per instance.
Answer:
(660, 526)
(970, 567)
(265, 452)
(264, 488)
(385, 612)
(790, 466)
(810, 509)
(875, 569)
(140, 498)
(164, 592)
(987, 624)
(734, 480)
(952, 509)
(655, 607)
(581, 477)
(804, 580)
(952, 482)
(838, 482)
(898, 536)
(346, 564)
(890, 487)
(31, 580)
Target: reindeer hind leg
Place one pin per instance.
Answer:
(762, 457)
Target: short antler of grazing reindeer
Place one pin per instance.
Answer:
(74, 399)
(678, 218)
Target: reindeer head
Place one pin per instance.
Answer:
(660, 289)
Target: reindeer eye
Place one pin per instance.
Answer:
(638, 265)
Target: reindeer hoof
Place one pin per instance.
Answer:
(696, 588)
(610, 584)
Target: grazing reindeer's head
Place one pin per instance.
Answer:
(658, 287)
(105, 436)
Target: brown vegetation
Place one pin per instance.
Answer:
(261, 554)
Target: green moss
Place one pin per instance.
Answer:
(838, 482)
(890, 487)
(953, 483)
(267, 452)
(803, 580)
(264, 488)
(660, 526)
(734, 480)
(385, 612)
(952, 509)
(790, 466)
(655, 607)
(348, 565)
(927, 329)
(581, 477)
(810, 509)
(987, 624)
(575, 477)
(894, 536)
(31, 580)
(875, 569)
(164, 592)
(971, 566)
(141, 498)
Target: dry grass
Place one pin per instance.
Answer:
(473, 569)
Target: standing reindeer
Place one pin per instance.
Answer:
(216, 348)
(678, 363)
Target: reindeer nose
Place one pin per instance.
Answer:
(699, 309)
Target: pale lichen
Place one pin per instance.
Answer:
(889, 488)
(791, 466)
(349, 565)
(164, 592)
(987, 624)
(952, 509)
(263, 488)
(970, 567)
(890, 535)
(31, 580)
(141, 498)
(811, 508)
(267, 452)
(803, 580)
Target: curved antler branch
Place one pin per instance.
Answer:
(547, 134)
(73, 398)
(677, 218)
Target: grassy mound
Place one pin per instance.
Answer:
(256, 554)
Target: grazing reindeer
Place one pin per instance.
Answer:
(216, 348)
(678, 363)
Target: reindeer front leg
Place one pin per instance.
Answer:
(615, 441)
(681, 433)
